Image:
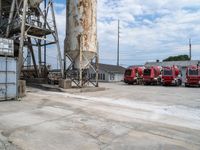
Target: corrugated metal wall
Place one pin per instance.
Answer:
(8, 78)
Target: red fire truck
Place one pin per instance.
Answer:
(152, 75)
(171, 76)
(192, 76)
(133, 75)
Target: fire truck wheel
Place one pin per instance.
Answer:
(179, 82)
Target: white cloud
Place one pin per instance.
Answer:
(157, 28)
(150, 29)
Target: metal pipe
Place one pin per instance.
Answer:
(33, 56)
(64, 65)
(10, 18)
(57, 40)
(45, 46)
(65, 45)
(22, 37)
(39, 51)
(6, 85)
(0, 12)
(39, 57)
(81, 61)
(97, 66)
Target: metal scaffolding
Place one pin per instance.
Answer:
(32, 27)
(81, 76)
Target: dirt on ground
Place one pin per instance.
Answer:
(121, 117)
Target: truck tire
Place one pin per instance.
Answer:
(159, 82)
(176, 83)
(179, 82)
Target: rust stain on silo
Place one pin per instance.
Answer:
(82, 15)
(81, 21)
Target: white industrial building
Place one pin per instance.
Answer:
(109, 73)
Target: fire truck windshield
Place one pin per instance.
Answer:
(147, 72)
(128, 72)
(193, 72)
(167, 72)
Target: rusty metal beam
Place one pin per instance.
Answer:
(57, 40)
(22, 38)
(10, 18)
(33, 56)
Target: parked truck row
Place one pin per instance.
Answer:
(157, 75)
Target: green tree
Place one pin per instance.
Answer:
(177, 58)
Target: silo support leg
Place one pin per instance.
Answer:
(81, 61)
(57, 40)
(97, 71)
(22, 37)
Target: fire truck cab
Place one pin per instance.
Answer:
(133, 75)
(192, 76)
(152, 75)
(171, 76)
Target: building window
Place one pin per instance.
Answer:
(94, 76)
(99, 76)
(104, 77)
(112, 77)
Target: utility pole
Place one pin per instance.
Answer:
(118, 43)
(190, 49)
(45, 46)
(0, 12)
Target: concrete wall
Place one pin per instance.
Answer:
(108, 77)
(115, 77)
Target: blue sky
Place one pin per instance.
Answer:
(150, 29)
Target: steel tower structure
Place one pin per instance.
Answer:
(31, 26)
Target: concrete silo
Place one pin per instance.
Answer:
(81, 40)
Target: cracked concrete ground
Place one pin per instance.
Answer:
(120, 118)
